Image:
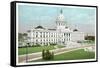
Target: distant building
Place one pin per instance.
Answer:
(61, 35)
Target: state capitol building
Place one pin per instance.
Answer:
(61, 35)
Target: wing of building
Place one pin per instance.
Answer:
(61, 35)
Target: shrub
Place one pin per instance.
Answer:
(53, 44)
(38, 45)
(47, 55)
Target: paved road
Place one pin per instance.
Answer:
(35, 56)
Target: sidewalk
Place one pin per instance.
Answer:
(38, 55)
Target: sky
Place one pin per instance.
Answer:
(82, 18)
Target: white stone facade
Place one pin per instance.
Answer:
(61, 35)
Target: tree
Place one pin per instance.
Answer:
(24, 34)
(92, 38)
(20, 36)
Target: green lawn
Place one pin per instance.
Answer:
(72, 55)
(22, 51)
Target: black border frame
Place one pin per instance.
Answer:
(13, 32)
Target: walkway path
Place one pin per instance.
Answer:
(38, 55)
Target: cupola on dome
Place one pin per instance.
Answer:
(61, 16)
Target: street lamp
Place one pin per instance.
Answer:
(27, 44)
(25, 38)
